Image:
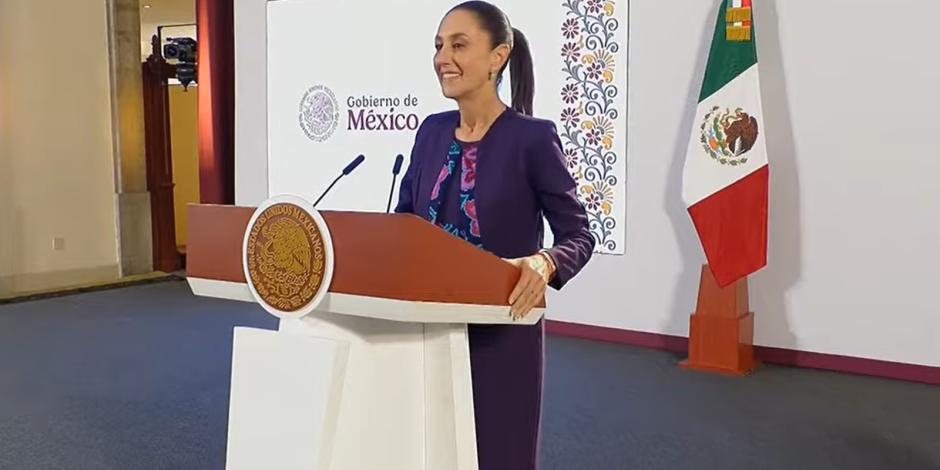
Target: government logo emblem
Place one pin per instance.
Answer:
(319, 113)
(287, 257)
(728, 135)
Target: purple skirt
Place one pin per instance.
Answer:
(506, 366)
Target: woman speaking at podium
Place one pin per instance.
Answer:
(488, 173)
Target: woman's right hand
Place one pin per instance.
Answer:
(535, 272)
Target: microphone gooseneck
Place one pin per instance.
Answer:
(349, 169)
(395, 170)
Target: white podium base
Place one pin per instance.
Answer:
(283, 401)
(337, 392)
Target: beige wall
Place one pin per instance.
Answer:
(183, 139)
(56, 158)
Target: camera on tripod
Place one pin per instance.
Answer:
(184, 51)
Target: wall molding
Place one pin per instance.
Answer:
(25, 283)
(780, 356)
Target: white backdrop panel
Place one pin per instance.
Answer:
(349, 78)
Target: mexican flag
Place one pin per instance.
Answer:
(725, 179)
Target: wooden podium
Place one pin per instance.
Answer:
(378, 375)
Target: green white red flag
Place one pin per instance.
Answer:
(725, 179)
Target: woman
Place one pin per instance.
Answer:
(488, 174)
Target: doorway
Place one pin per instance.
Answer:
(168, 45)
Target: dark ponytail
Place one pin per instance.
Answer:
(495, 22)
(522, 73)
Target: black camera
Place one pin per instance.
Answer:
(181, 49)
(184, 51)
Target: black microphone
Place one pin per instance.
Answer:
(349, 169)
(353, 164)
(395, 170)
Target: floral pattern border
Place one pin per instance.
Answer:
(589, 113)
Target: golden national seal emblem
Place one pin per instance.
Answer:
(286, 257)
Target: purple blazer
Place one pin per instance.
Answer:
(521, 177)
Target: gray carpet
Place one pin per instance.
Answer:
(137, 378)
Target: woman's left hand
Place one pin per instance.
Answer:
(537, 270)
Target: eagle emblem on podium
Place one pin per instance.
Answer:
(285, 257)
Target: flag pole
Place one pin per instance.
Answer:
(725, 187)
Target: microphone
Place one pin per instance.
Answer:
(395, 170)
(349, 169)
(353, 164)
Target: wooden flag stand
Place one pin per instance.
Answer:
(721, 331)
